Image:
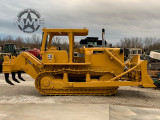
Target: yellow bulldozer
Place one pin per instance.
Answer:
(98, 71)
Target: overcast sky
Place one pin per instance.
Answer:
(120, 18)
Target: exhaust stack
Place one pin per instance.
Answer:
(103, 37)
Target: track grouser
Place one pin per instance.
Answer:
(96, 71)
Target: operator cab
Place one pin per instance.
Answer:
(50, 55)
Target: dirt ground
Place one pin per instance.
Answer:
(25, 92)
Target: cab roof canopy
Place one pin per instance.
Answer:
(65, 32)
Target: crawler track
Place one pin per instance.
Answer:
(73, 91)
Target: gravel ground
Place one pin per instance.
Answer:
(25, 92)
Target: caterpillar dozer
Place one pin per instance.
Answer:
(98, 71)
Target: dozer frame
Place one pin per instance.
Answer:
(98, 71)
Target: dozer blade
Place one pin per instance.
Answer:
(7, 78)
(19, 76)
(14, 78)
